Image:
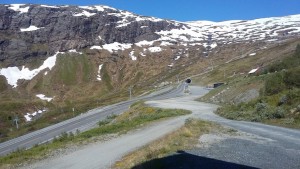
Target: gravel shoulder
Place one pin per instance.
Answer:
(104, 154)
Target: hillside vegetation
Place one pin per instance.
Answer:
(279, 98)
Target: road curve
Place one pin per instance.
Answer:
(83, 122)
(262, 146)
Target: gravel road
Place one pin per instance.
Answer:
(255, 146)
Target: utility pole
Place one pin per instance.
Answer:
(211, 63)
(73, 109)
(16, 119)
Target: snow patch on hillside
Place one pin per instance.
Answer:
(171, 65)
(131, 54)
(213, 45)
(116, 46)
(144, 43)
(74, 51)
(142, 54)
(164, 43)
(155, 49)
(99, 73)
(96, 47)
(13, 74)
(84, 13)
(30, 28)
(30, 116)
(43, 97)
(100, 8)
(19, 8)
(128, 18)
(177, 57)
(48, 6)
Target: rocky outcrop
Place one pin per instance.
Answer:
(34, 31)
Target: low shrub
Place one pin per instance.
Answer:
(279, 113)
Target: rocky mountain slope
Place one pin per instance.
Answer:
(53, 57)
(30, 31)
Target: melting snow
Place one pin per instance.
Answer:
(99, 8)
(99, 73)
(177, 57)
(85, 13)
(165, 43)
(142, 54)
(13, 74)
(30, 28)
(144, 43)
(128, 18)
(171, 65)
(252, 54)
(253, 71)
(74, 51)
(18, 8)
(155, 49)
(43, 97)
(96, 47)
(214, 45)
(48, 6)
(29, 116)
(131, 54)
(87, 7)
(116, 46)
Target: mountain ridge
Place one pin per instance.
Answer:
(90, 26)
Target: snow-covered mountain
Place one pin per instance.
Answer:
(41, 31)
(64, 28)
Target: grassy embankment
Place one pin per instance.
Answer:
(137, 116)
(185, 138)
(278, 102)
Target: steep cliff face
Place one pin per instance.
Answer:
(38, 30)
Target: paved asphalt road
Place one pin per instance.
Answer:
(83, 122)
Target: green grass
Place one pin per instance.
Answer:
(184, 138)
(3, 84)
(281, 109)
(138, 115)
(106, 78)
(73, 69)
(279, 100)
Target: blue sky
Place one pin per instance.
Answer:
(188, 10)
